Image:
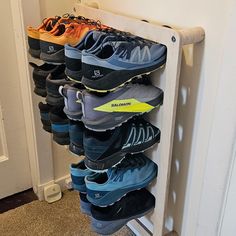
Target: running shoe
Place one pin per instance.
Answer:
(104, 150)
(85, 205)
(73, 107)
(54, 80)
(52, 44)
(34, 35)
(73, 53)
(134, 172)
(107, 111)
(44, 115)
(117, 63)
(78, 173)
(60, 126)
(108, 220)
(76, 130)
(40, 74)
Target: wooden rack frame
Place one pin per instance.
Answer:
(165, 120)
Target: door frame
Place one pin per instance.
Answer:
(39, 144)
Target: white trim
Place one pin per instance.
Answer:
(5, 155)
(229, 196)
(16, 7)
(41, 163)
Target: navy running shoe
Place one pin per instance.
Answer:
(73, 54)
(107, 111)
(118, 62)
(104, 150)
(85, 205)
(76, 130)
(78, 173)
(108, 220)
(73, 107)
(40, 74)
(134, 172)
(44, 114)
(60, 126)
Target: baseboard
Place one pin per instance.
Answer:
(61, 181)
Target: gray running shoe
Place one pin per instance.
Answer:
(73, 108)
(107, 111)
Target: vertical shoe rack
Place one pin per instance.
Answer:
(167, 78)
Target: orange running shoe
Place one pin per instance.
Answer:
(34, 35)
(52, 43)
(48, 25)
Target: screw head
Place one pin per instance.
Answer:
(173, 39)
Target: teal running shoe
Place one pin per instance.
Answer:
(134, 172)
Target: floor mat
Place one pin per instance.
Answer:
(59, 218)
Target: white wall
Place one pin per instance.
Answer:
(192, 170)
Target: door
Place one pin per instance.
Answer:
(15, 173)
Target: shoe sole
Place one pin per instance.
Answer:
(75, 76)
(76, 116)
(85, 207)
(116, 158)
(121, 78)
(111, 226)
(114, 196)
(113, 120)
(34, 52)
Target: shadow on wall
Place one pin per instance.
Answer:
(183, 138)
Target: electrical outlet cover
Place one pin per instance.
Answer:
(52, 193)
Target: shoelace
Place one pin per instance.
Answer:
(129, 163)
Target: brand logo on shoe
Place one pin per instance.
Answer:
(51, 49)
(97, 195)
(121, 104)
(97, 74)
(124, 105)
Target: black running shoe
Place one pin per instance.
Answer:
(60, 126)
(108, 220)
(53, 82)
(44, 114)
(106, 149)
(40, 74)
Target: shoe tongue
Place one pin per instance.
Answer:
(95, 36)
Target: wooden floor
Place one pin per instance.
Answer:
(17, 200)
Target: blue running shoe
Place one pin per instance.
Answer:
(78, 173)
(134, 172)
(73, 54)
(104, 150)
(76, 130)
(73, 108)
(85, 205)
(118, 62)
(44, 115)
(60, 126)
